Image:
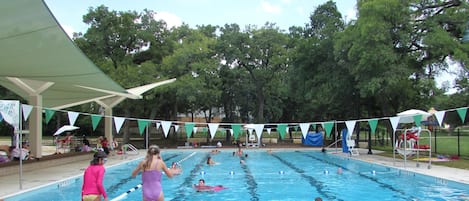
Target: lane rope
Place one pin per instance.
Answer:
(123, 195)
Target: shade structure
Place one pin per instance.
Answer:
(37, 57)
(65, 129)
(408, 115)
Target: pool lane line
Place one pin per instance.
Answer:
(315, 183)
(115, 187)
(382, 184)
(188, 181)
(123, 195)
(252, 184)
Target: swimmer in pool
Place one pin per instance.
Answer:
(201, 187)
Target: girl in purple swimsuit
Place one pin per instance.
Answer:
(152, 166)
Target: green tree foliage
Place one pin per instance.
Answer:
(382, 63)
(262, 54)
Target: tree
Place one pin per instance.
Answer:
(262, 54)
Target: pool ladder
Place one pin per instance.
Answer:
(130, 149)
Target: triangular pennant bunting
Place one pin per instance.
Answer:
(72, 117)
(350, 127)
(328, 126)
(95, 119)
(118, 121)
(166, 125)
(49, 114)
(417, 119)
(236, 128)
(259, 128)
(373, 123)
(213, 129)
(189, 127)
(26, 111)
(304, 129)
(142, 124)
(462, 113)
(281, 128)
(394, 122)
(440, 115)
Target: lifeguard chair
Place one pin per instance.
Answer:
(408, 143)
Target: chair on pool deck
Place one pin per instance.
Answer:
(351, 146)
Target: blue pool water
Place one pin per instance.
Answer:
(282, 175)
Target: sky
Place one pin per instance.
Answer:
(284, 13)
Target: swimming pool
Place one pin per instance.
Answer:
(281, 175)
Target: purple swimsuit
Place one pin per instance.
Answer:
(151, 185)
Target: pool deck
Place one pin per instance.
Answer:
(37, 178)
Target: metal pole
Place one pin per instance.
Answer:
(146, 136)
(20, 129)
(369, 142)
(459, 145)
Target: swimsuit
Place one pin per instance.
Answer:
(151, 185)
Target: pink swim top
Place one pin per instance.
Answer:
(93, 181)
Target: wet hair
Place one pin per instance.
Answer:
(208, 160)
(97, 156)
(152, 150)
(202, 180)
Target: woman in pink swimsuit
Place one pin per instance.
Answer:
(151, 176)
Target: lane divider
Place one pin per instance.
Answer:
(123, 195)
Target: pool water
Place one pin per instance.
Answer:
(281, 175)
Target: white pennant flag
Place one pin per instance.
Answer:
(72, 117)
(440, 115)
(166, 125)
(118, 121)
(26, 111)
(176, 128)
(394, 122)
(259, 128)
(350, 127)
(157, 125)
(231, 131)
(250, 131)
(213, 129)
(10, 111)
(304, 129)
(269, 130)
(194, 130)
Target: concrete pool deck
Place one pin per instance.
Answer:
(10, 185)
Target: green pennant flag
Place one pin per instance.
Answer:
(236, 128)
(95, 119)
(417, 119)
(49, 114)
(142, 124)
(313, 127)
(189, 126)
(281, 129)
(373, 123)
(296, 127)
(328, 126)
(462, 113)
(204, 130)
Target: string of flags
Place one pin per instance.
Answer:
(7, 113)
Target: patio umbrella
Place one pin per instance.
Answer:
(408, 115)
(64, 129)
